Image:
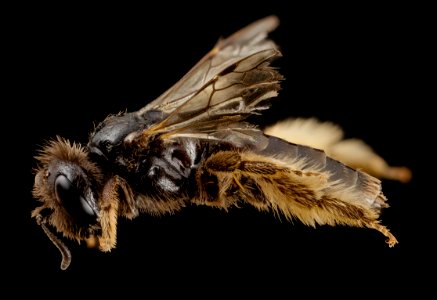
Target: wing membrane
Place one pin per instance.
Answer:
(225, 86)
(227, 52)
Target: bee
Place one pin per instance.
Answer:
(193, 145)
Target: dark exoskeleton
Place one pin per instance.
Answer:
(191, 145)
(167, 169)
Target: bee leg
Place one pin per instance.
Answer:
(228, 177)
(309, 195)
(216, 187)
(391, 241)
(117, 199)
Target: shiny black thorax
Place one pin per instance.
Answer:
(164, 168)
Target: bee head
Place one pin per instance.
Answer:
(65, 184)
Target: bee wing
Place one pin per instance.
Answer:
(224, 87)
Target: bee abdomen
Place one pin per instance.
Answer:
(344, 182)
(295, 181)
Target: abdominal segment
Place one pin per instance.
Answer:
(296, 182)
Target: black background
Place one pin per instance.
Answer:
(72, 66)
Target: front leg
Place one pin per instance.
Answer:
(117, 199)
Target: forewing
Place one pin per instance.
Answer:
(226, 52)
(226, 86)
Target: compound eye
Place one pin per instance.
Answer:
(75, 204)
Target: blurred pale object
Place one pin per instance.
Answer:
(329, 138)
